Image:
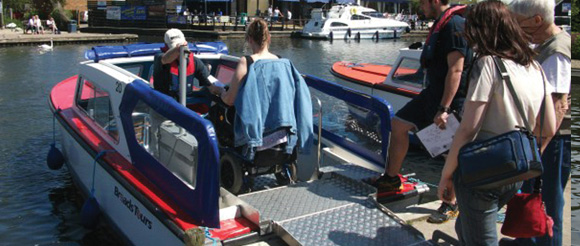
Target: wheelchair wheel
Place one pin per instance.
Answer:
(231, 176)
(282, 177)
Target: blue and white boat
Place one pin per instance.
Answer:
(151, 166)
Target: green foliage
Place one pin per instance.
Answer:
(415, 6)
(61, 17)
(8, 20)
(575, 16)
(576, 47)
(45, 8)
(16, 5)
(29, 14)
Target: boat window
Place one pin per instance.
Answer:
(374, 14)
(134, 69)
(97, 105)
(359, 17)
(409, 72)
(224, 73)
(169, 143)
(337, 24)
(150, 76)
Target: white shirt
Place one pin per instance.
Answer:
(558, 71)
(38, 22)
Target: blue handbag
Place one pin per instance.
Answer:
(504, 159)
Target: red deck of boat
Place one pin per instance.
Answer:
(62, 97)
(362, 72)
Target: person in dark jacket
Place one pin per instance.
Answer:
(166, 66)
(445, 59)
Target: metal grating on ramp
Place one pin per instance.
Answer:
(335, 210)
(301, 199)
(353, 224)
(351, 171)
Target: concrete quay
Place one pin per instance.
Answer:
(220, 32)
(18, 38)
(417, 216)
(576, 71)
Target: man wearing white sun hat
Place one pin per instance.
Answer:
(166, 66)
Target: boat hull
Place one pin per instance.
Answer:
(128, 214)
(372, 83)
(353, 34)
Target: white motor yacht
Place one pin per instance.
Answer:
(352, 21)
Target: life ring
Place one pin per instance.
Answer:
(353, 11)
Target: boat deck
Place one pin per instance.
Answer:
(334, 210)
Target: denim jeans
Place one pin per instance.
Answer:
(476, 223)
(556, 163)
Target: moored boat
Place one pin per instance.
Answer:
(397, 83)
(351, 21)
(153, 165)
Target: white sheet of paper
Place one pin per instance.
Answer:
(437, 141)
(215, 81)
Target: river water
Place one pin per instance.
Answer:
(41, 207)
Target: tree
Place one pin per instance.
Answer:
(45, 8)
(16, 5)
(415, 6)
(575, 16)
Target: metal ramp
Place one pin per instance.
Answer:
(334, 210)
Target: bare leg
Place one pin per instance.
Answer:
(398, 146)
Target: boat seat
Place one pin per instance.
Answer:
(178, 152)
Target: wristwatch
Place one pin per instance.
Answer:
(444, 109)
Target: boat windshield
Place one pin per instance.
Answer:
(96, 103)
(408, 72)
(356, 125)
(374, 14)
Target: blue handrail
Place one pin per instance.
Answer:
(374, 104)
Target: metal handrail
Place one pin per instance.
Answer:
(319, 147)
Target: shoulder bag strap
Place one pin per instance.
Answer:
(505, 76)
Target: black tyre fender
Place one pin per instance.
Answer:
(231, 175)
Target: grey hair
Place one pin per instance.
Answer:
(529, 8)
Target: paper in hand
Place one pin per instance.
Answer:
(436, 140)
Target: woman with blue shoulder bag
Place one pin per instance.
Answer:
(507, 104)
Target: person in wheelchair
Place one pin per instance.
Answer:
(272, 103)
(166, 66)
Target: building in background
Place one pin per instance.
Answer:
(169, 13)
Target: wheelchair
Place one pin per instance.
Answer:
(237, 173)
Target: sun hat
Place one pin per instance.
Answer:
(173, 37)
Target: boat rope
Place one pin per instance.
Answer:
(97, 157)
(208, 235)
(414, 180)
(54, 125)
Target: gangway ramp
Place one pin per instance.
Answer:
(334, 210)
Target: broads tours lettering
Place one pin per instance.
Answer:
(133, 208)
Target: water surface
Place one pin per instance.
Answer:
(40, 206)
